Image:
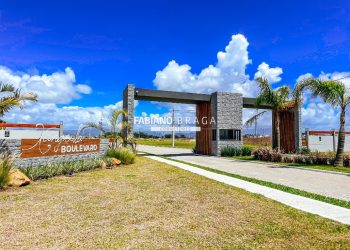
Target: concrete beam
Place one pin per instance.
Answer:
(249, 102)
(183, 97)
(170, 96)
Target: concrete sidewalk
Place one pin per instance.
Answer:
(323, 209)
(324, 183)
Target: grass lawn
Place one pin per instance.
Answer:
(179, 143)
(320, 167)
(154, 205)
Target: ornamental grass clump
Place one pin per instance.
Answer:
(125, 155)
(6, 164)
(236, 151)
(49, 170)
(267, 154)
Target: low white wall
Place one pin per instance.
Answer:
(29, 134)
(324, 143)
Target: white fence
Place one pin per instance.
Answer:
(324, 141)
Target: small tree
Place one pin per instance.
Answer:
(334, 93)
(116, 125)
(278, 99)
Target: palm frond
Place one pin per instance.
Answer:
(9, 101)
(6, 87)
(253, 119)
(97, 126)
(282, 96)
(14, 98)
(115, 116)
(117, 113)
(330, 91)
(300, 87)
(28, 97)
(266, 95)
(347, 100)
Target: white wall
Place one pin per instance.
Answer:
(324, 143)
(30, 134)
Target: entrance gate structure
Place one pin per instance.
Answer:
(226, 109)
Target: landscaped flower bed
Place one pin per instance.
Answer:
(62, 168)
(125, 155)
(318, 158)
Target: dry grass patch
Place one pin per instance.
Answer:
(153, 205)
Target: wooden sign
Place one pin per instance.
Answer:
(52, 147)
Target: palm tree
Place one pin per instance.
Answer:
(116, 126)
(254, 120)
(13, 97)
(332, 92)
(278, 99)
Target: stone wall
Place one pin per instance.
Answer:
(128, 105)
(297, 127)
(214, 144)
(227, 109)
(14, 147)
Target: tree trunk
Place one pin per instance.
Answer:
(339, 161)
(278, 133)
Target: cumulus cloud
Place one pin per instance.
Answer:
(228, 74)
(271, 74)
(55, 88)
(72, 116)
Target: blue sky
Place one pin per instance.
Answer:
(107, 44)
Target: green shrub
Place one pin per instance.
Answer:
(62, 168)
(246, 151)
(126, 156)
(6, 165)
(303, 151)
(236, 151)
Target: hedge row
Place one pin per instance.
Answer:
(318, 158)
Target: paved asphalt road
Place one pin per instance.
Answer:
(327, 184)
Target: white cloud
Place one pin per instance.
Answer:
(72, 116)
(53, 89)
(316, 115)
(56, 88)
(235, 57)
(229, 73)
(271, 74)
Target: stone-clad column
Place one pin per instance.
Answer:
(227, 112)
(297, 127)
(128, 106)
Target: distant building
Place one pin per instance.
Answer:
(324, 141)
(30, 131)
